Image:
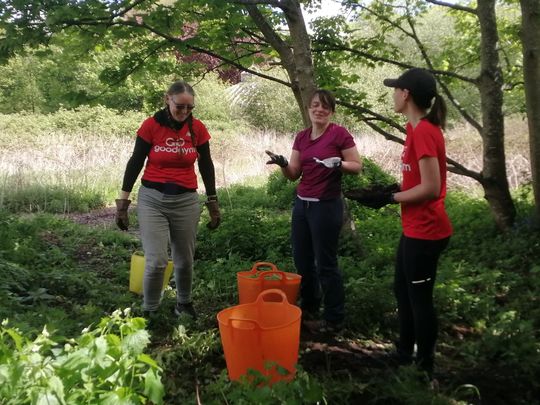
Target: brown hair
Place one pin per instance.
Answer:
(437, 113)
(180, 87)
(326, 97)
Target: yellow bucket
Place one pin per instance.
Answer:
(136, 273)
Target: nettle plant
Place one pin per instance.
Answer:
(105, 365)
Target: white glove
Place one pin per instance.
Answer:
(331, 162)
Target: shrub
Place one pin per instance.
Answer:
(104, 365)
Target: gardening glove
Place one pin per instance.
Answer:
(121, 218)
(376, 196)
(279, 160)
(331, 162)
(215, 216)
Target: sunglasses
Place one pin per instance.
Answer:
(181, 107)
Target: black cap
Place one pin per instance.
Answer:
(420, 83)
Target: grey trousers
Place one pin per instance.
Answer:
(163, 218)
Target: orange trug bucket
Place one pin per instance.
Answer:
(260, 335)
(252, 282)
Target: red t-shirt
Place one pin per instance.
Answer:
(318, 181)
(172, 156)
(426, 219)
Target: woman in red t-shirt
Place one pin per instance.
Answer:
(426, 227)
(168, 205)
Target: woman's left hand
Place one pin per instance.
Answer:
(215, 215)
(331, 162)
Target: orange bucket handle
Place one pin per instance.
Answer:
(256, 266)
(250, 321)
(272, 291)
(263, 275)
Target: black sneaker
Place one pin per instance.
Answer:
(188, 309)
(151, 318)
(398, 359)
(323, 326)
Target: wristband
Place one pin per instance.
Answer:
(211, 197)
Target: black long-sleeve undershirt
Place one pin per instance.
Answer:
(141, 151)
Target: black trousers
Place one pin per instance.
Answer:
(315, 236)
(416, 269)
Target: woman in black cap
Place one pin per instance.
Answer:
(426, 227)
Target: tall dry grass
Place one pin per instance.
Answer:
(97, 162)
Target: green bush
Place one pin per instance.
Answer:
(254, 234)
(281, 190)
(104, 365)
(304, 389)
(97, 120)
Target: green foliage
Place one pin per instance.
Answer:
(106, 364)
(254, 389)
(509, 342)
(255, 234)
(44, 267)
(281, 190)
(371, 175)
(408, 386)
(78, 122)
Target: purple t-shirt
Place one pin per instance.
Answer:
(318, 181)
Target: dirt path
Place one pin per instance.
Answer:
(102, 218)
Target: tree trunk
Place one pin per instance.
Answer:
(490, 82)
(295, 57)
(301, 46)
(530, 38)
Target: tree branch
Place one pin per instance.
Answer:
(276, 3)
(127, 9)
(269, 34)
(339, 47)
(453, 6)
(453, 166)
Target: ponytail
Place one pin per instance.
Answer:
(437, 113)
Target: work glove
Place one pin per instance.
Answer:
(331, 162)
(376, 196)
(215, 216)
(121, 218)
(279, 160)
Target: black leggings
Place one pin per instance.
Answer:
(416, 269)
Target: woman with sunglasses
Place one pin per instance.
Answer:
(168, 207)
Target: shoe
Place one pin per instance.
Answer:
(397, 359)
(310, 315)
(151, 318)
(323, 326)
(188, 309)
(434, 385)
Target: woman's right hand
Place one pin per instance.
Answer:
(279, 160)
(122, 218)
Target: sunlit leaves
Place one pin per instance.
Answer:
(98, 367)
